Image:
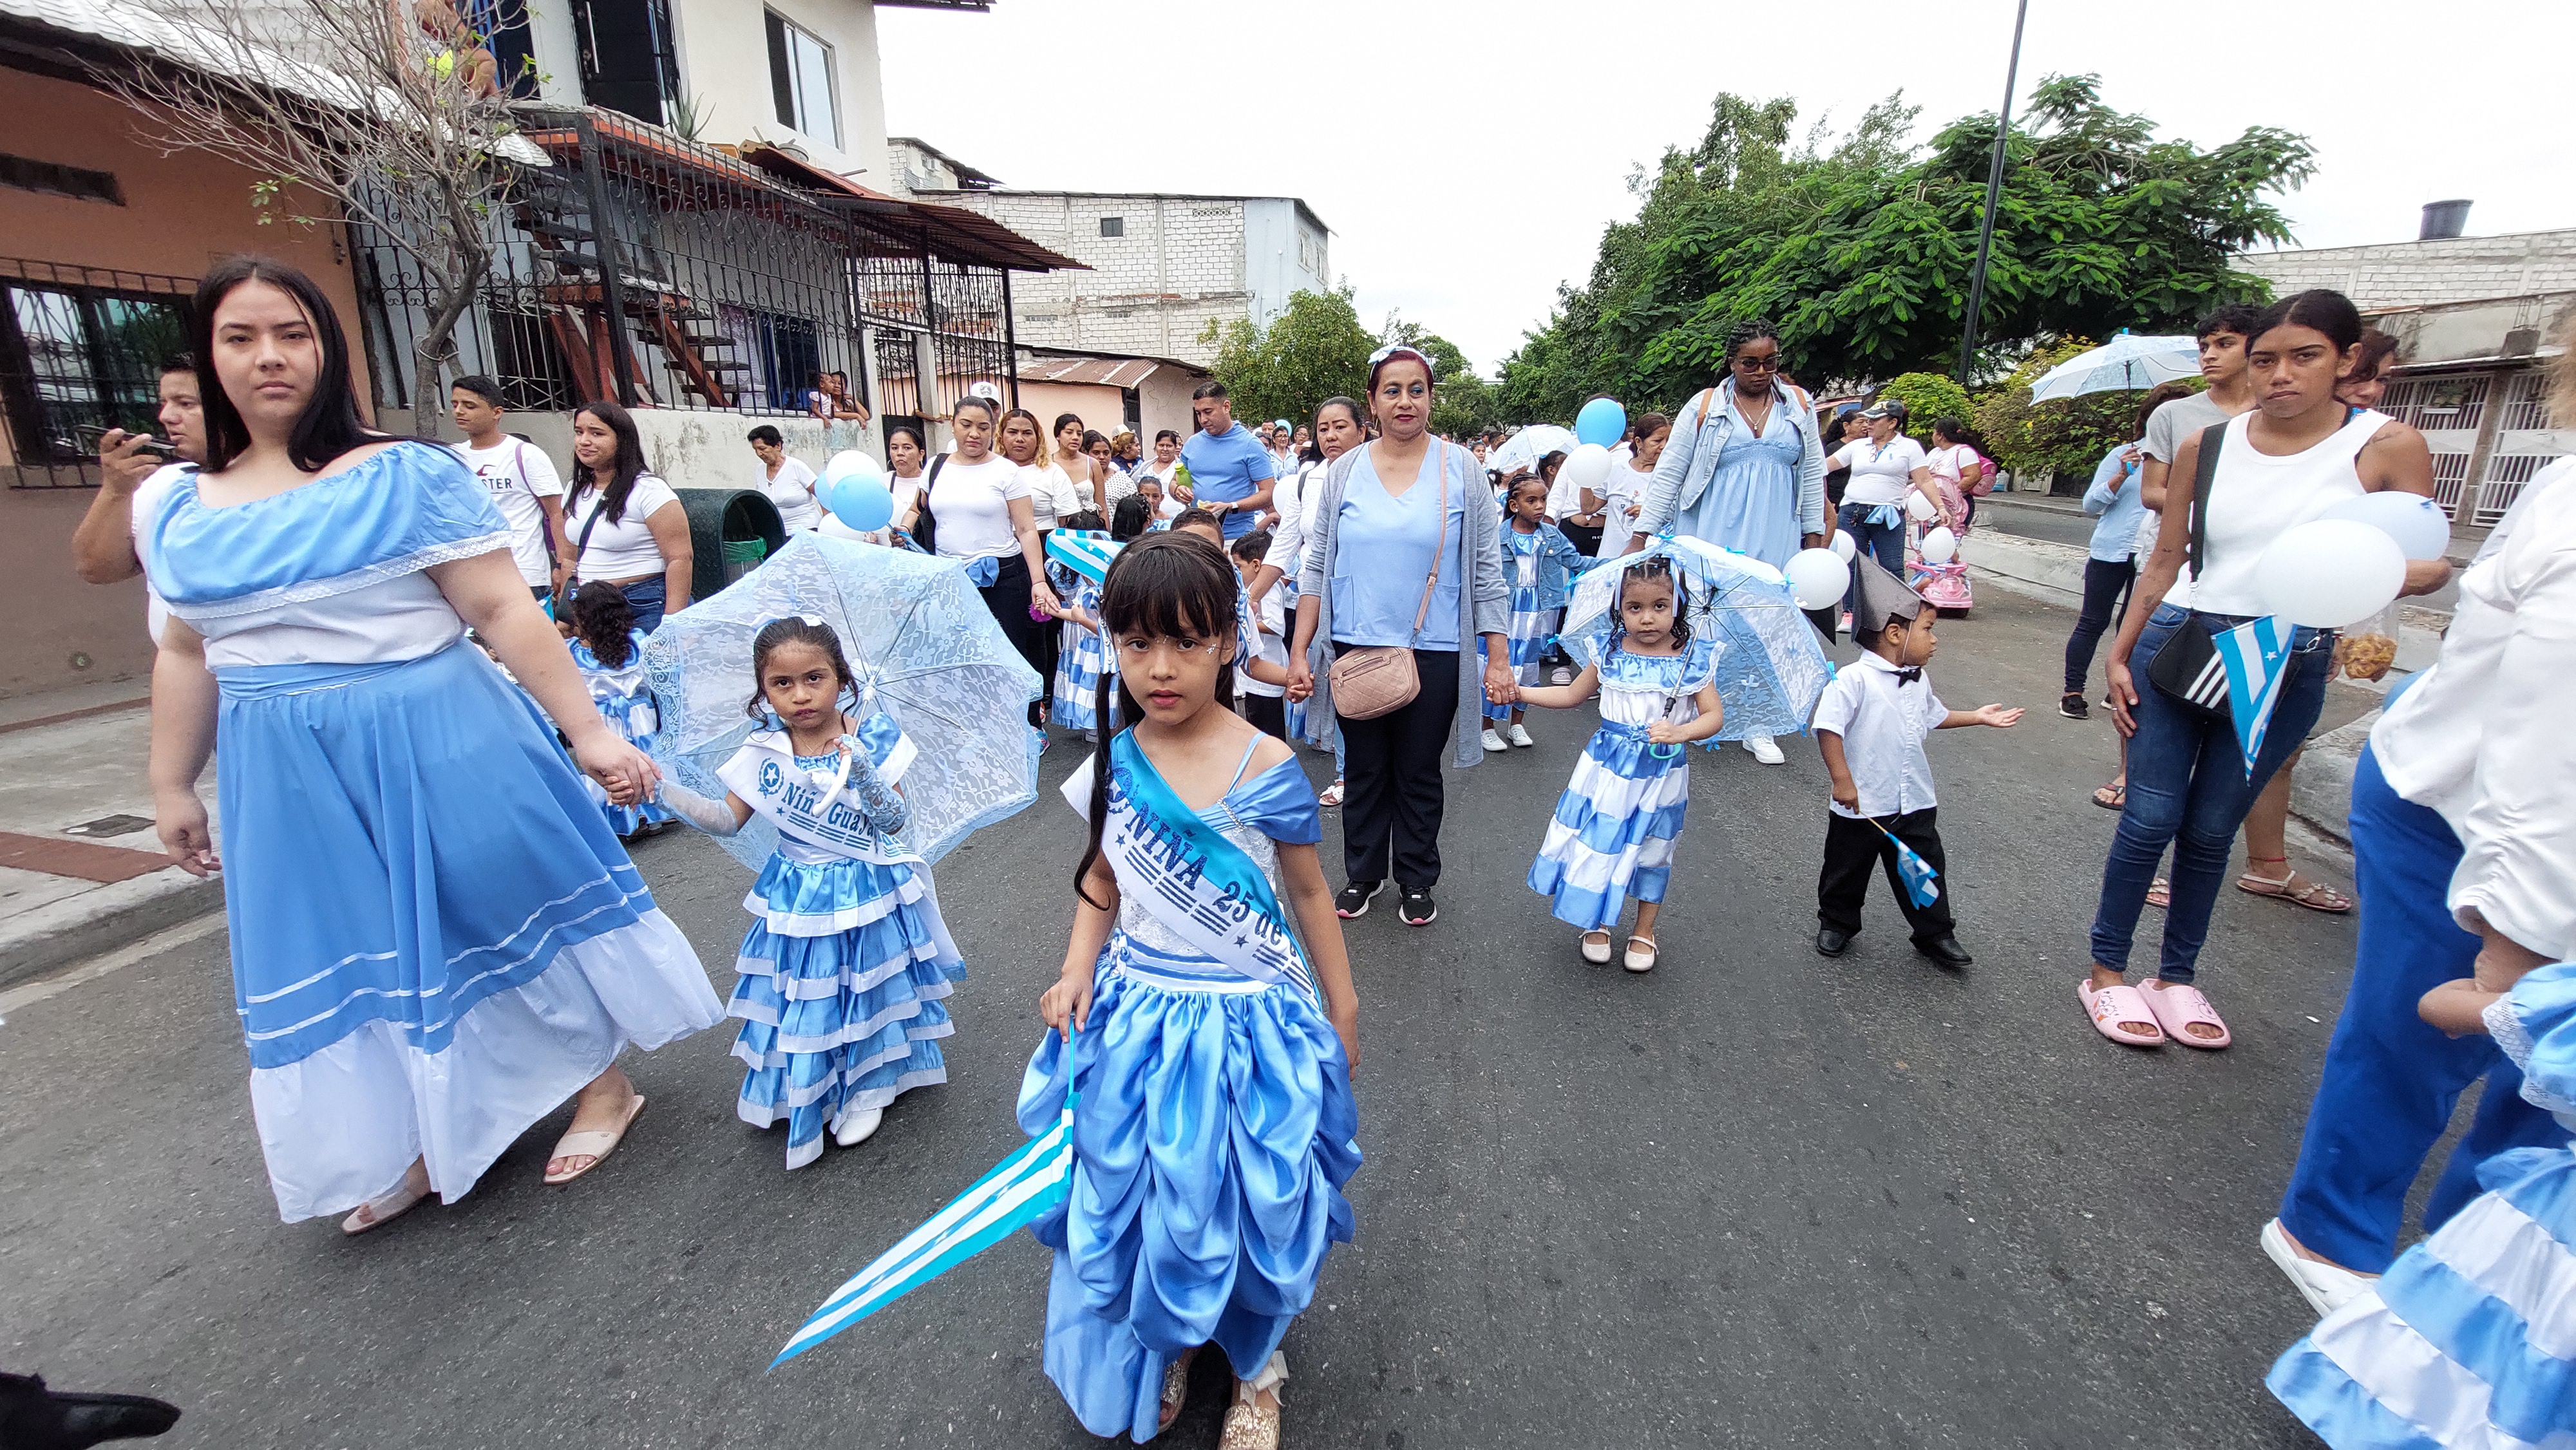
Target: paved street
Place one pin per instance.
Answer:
(1755, 1198)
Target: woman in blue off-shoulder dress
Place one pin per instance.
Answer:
(436, 940)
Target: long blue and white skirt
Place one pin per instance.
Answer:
(436, 940)
(635, 720)
(1078, 669)
(1615, 827)
(2470, 1337)
(1530, 628)
(843, 995)
(1214, 1133)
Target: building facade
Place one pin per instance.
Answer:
(1165, 274)
(2479, 321)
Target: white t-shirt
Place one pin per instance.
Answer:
(620, 548)
(792, 489)
(517, 474)
(1050, 493)
(147, 501)
(1879, 475)
(972, 502)
(1622, 491)
(1272, 645)
(1563, 499)
(1295, 499)
(1952, 463)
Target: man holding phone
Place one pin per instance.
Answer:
(135, 473)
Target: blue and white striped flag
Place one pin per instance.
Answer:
(1922, 883)
(1002, 1202)
(1085, 553)
(2257, 657)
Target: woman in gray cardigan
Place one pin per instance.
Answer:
(1376, 528)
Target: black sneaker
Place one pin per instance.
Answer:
(1417, 909)
(2072, 706)
(1353, 900)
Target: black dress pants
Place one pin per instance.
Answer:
(1853, 846)
(1268, 714)
(1008, 598)
(1392, 799)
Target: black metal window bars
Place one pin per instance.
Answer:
(81, 350)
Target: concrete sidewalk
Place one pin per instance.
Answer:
(81, 871)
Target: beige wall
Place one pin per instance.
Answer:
(1097, 404)
(180, 214)
(724, 61)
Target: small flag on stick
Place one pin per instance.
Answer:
(1922, 883)
(2257, 657)
(1085, 553)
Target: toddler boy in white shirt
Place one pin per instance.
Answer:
(1871, 723)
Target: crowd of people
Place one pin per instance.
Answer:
(438, 938)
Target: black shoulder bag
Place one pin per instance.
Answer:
(925, 529)
(2187, 669)
(562, 602)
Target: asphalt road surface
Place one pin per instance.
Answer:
(1755, 1198)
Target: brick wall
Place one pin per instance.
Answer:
(2425, 274)
(1153, 290)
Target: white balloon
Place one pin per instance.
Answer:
(2414, 521)
(1844, 548)
(2328, 573)
(1817, 577)
(849, 462)
(1940, 546)
(1586, 466)
(1920, 508)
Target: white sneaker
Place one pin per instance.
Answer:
(1493, 741)
(1519, 735)
(2326, 1287)
(1561, 676)
(1764, 750)
(855, 1128)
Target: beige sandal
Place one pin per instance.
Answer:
(593, 1143)
(1249, 1424)
(2293, 888)
(385, 1207)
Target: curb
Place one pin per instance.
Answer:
(62, 932)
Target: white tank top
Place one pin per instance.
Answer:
(2254, 499)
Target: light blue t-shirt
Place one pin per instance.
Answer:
(1384, 554)
(1225, 468)
(2116, 537)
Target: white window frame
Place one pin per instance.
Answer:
(810, 62)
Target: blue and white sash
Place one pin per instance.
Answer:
(815, 810)
(1086, 553)
(1173, 864)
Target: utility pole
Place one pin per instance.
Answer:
(1994, 198)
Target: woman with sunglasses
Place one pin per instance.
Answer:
(1388, 566)
(1744, 469)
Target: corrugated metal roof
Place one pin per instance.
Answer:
(955, 233)
(1109, 372)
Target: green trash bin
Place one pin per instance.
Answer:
(730, 530)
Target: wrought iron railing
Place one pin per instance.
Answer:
(661, 273)
(81, 350)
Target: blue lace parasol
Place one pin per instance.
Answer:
(1770, 668)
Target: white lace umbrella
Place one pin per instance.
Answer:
(923, 647)
(1525, 448)
(1770, 669)
(2126, 361)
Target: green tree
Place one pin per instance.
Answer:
(1859, 249)
(1926, 396)
(2064, 436)
(1309, 352)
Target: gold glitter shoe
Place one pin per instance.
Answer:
(1176, 1389)
(1249, 1424)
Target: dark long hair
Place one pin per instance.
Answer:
(790, 630)
(329, 425)
(1130, 517)
(604, 621)
(623, 469)
(1161, 586)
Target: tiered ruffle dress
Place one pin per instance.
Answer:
(1214, 1131)
(436, 939)
(846, 970)
(1616, 823)
(1083, 659)
(625, 701)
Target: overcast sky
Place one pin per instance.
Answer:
(1467, 153)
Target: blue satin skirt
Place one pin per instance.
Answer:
(1214, 1131)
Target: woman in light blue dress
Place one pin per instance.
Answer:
(1745, 470)
(436, 940)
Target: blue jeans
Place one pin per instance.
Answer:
(2390, 1079)
(2188, 788)
(1884, 542)
(646, 598)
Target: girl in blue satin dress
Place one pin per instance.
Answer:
(1204, 1052)
(609, 651)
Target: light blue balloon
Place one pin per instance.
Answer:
(863, 503)
(1602, 421)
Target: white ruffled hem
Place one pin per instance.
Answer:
(766, 1115)
(344, 1124)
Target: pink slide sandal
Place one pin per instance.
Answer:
(2111, 1007)
(2177, 1007)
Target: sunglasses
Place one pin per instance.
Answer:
(1758, 364)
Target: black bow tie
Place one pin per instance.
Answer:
(1909, 675)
